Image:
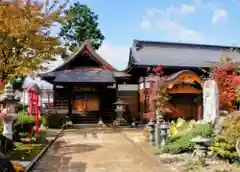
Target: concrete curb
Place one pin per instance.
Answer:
(43, 151)
(143, 149)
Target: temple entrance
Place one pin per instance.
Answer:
(185, 90)
(185, 106)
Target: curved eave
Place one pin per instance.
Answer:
(130, 62)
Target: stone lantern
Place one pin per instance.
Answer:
(9, 101)
(120, 109)
(201, 147)
(164, 127)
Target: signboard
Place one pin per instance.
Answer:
(84, 89)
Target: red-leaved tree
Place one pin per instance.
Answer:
(224, 73)
(157, 94)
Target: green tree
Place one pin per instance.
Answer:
(25, 40)
(82, 26)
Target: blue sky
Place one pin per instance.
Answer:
(191, 21)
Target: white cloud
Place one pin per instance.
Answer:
(188, 8)
(117, 56)
(169, 12)
(219, 15)
(168, 22)
(179, 32)
(146, 24)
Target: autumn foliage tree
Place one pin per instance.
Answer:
(158, 97)
(224, 73)
(25, 40)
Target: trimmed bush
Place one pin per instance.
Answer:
(24, 118)
(181, 142)
(24, 122)
(225, 142)
(54, 120)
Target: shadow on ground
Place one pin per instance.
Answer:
(59, 155)
(99, 129)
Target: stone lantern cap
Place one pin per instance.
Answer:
(120, 102)
(201, 140)
(9, 95)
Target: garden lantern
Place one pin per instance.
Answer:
(164, 127)
(201, 147)
(151, 131)
(9, 101)
(120, 109)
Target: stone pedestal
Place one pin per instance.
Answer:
(119, 121)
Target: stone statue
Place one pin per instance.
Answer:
(210, 101)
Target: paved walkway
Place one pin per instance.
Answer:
(85, 150)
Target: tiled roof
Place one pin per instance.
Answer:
(68, 76)
(178, 54)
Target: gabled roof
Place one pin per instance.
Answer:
(149, 53)
(80, 76)
(96, 57)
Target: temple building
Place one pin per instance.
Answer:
(86, 86)
(184, 67)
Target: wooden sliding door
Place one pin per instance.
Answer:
(85, 102)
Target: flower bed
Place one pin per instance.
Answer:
(222, 155)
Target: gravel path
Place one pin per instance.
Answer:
(97, 150)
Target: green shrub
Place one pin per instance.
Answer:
(25, 122)
(225, 142)
(54, 120)
(24, 118)
(181, 142)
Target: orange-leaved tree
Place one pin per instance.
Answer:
(25, 40)
(224, 73)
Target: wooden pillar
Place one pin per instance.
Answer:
(199, 107)
(101, 91)
(54, 96)
(117, 91)
(200, 112)
(145, 93)
(70, 97)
